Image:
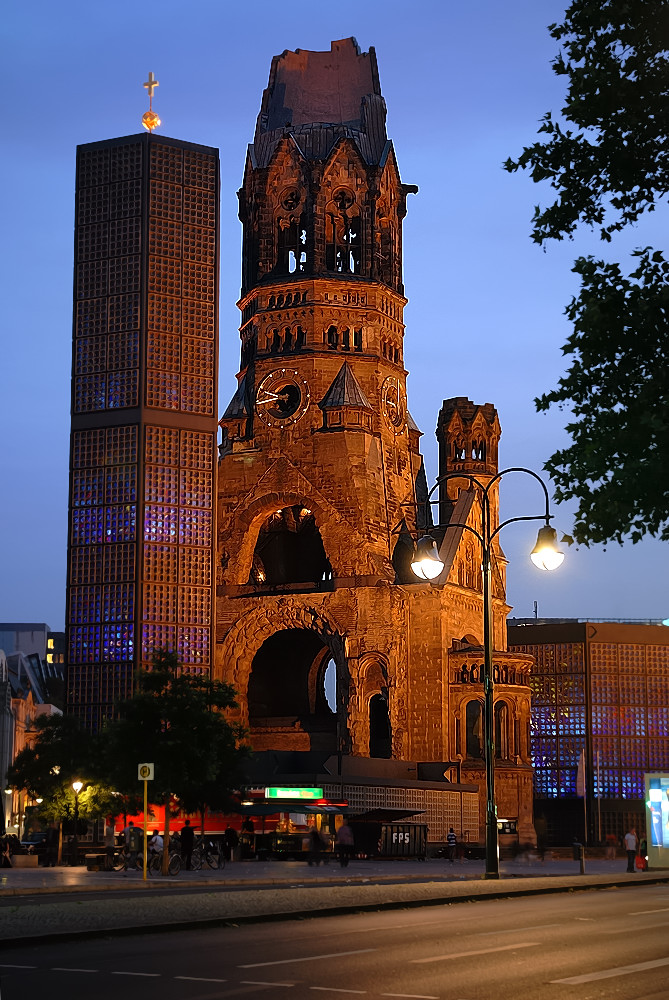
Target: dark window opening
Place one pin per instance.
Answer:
(357, 340)
(346, 340)
(380, 735)
(287, 682)
(332, 338)
(502, 730)
(343, 241)
(474, 723)
(290, 550)
(291, 246)
(300, 339)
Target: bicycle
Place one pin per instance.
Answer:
(121, 861)
(155, 863)
(205, 853)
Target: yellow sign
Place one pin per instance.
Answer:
(145, 772)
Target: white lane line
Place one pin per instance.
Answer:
(200, 979)
(639, 913)
(411, 996)
(147, 975)
(311, 958)
(62, 968)
(6, 965)
(257, 982)
(467, 954)
(333, 989)
(622, 970)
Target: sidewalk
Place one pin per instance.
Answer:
(68, 903)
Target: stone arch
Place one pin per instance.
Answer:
(502, 714)
(249, 634)
(344, 559)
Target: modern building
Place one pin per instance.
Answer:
(602, 689)
(321, 485)
(144, 414)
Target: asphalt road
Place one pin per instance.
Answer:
(605, 945)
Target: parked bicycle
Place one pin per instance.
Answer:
(120, 861)
(206, 853)
(155, 863)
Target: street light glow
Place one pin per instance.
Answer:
(545, 554)
(77, 786)
(426, 562)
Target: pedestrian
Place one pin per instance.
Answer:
(451, 844)
(344, 844)
(315, 847)
(230, 842)
(51, 844)
(5, 851)
(631, 844)
(156, 843)
(187, 840)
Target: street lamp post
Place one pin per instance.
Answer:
(77, 786)
(427, 565)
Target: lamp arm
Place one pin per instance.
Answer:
(511, 520)
(467, 527)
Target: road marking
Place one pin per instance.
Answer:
(622, 970)
(5, 965)
(516, 930)
(200, 979)
(311, 958)
(149, 975)
(256, 982)
(639, 913)
(60, 968)
(649, 927)
(412, 996)
(333, 989)
(482, 951)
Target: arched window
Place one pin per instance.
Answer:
(380, 737)
(290, 550)
(502, 730)
(343, 234)
(474, 724)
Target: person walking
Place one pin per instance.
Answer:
(610, 846)
(315, 847)
(344, 844)
(451, 844)
(230, 842)
(187, 841)
(631, 844)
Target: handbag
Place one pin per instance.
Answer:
(641, 862)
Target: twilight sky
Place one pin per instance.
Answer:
(465, 86)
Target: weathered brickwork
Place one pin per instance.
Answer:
(328, 638)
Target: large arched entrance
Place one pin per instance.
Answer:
(287, 694)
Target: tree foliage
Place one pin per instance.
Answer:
(607, 159)
(62, 753)
(177, 721)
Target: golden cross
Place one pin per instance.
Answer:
(151, 85)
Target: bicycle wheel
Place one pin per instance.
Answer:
(118, 863)
(195, 861)
(215, 860)
(174, 866)
(156, 863)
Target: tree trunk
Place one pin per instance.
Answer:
(59, 858)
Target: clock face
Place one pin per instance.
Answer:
(393, 403)
(282, 397)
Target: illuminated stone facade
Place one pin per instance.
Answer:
(321, 485)
(144, 414)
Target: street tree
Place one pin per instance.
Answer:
(607, 158)
(176, 720)
(64, 752)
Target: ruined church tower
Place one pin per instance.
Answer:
(330, 642)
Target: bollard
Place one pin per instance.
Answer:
(579, 855)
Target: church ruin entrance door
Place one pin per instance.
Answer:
(286, 693)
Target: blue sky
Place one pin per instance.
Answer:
(465, 86)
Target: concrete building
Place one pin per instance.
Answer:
(144, 414)
(601, 688)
